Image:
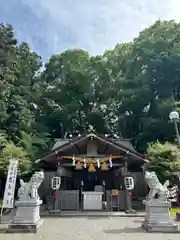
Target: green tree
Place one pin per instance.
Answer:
(19, 97)
(147, 83)
(12, 151)
(129, 90)
(34, 145)
(66, 92)
(19, 67)
(164, 160)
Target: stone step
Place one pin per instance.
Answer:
(89, 214)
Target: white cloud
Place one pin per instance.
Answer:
(95, 25)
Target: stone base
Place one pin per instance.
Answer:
(178, 216)
(24, 228)
(157, 218)
(160, 228)
(27, 212)
(27, 217)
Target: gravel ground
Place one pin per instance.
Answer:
(89, 228)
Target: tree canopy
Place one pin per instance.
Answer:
(164, 160)
(128, 91)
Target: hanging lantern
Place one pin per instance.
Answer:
(56, 183)
(78, 166)
(129, 182)
(104, 166)
(91, 167)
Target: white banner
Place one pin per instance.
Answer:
(8, 200)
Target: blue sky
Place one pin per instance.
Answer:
(51, 26)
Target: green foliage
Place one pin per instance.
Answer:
(164, 160)
(34, 144)
(19, 70)
(12, 151)
(129, 90)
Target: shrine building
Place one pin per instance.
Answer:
(91, 170)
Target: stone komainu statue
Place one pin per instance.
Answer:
(29, 190)
(156, 188)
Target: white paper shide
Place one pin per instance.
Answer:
(8, 200)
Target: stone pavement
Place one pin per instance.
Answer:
(91, 228)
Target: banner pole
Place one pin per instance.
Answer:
(1, 214)
(8, 198)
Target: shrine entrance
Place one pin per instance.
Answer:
(90, 180)
(87, 181)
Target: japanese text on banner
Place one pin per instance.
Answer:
(8, 200)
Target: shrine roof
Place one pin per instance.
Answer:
(118, 144)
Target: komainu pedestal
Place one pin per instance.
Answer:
(27, 218)
(157, 218)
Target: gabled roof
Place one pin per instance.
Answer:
(59, 143)
(116, 144)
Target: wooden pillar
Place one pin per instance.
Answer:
(128, 204)
(116, 176)
(56, 192)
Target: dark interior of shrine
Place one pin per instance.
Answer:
(88, 180)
